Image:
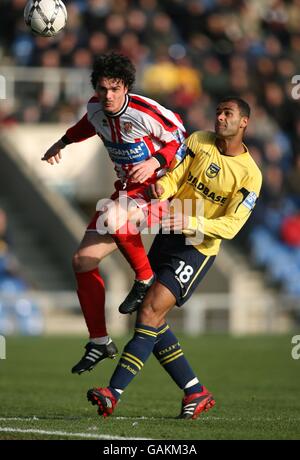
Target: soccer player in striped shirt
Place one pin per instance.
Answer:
(219, 171)
(141, 138)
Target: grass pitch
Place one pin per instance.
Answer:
(255, 382)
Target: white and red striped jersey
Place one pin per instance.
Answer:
(141, 129)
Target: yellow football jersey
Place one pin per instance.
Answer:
(228, 187)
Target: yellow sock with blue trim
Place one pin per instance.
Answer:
(134, 355)
(169, 353)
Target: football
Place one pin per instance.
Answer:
(45, 17)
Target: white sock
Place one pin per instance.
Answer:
(118, 390)
(101, 340)
(146, 281)
(191, 383)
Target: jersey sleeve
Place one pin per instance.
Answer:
(172, 181)
(166, 154)
(81, 131)
(237, 213)
(162, 125)
(169, 134)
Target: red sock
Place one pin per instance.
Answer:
(91, 294)
(132, 248)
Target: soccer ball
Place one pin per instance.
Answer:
(45, 17)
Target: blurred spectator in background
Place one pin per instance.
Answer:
(10, 272)
(290, 230)
(5, 239)
(18, 312)
(9, 266)
(293, 181)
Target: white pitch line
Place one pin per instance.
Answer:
(133, 419)
(19, 419)
(221, 419)
(65, 433)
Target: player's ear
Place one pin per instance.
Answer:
(97, 88)
(244, 122)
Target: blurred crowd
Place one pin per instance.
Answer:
(188, 54)
(10, 276)
(18, 313)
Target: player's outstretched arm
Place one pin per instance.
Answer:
(54, 152)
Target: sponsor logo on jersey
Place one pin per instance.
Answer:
(127, 127)
(179, 135)
(127, 153)
(250, 200)
(212, 170)
(204, 190)
(181, 152)
(205, 152)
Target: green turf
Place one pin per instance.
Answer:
(255, 381)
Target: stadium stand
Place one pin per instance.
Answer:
(18, 312)
(188, 54)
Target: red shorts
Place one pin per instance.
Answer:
(153, 209)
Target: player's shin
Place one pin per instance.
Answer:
(134, 355)
(91, 295)
(168, 352)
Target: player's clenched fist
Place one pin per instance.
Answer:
(155, 190)
(54, 153)
(142, 171)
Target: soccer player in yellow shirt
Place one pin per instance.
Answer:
(218, 169)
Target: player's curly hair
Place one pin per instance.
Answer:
(113, 65)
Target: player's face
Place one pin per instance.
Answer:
(229, 121)
(111, 93)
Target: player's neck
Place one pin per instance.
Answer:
(230, 147)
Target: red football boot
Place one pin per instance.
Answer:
(194, 404)
(104, 399)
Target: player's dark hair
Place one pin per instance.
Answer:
(243, 106)
(115, 66)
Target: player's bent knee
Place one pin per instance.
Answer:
(158, 301)
(147, 315)
(84, 263)
(150, 314)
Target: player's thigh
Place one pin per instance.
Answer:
(114, 214)
(96, 245)
(178, 266)
(124, 209)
